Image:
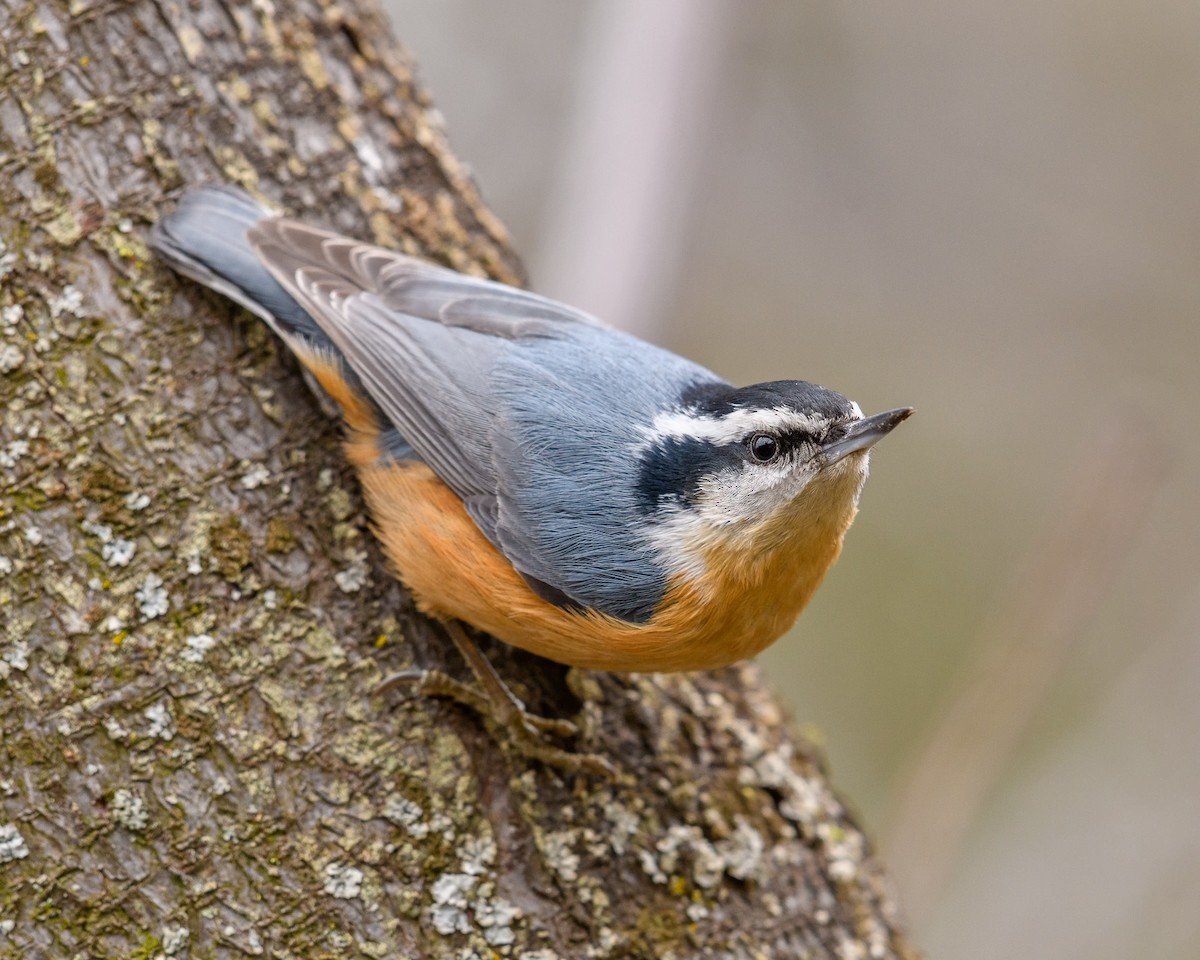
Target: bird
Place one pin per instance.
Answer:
(536, 473)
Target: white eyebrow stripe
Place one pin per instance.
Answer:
(733, 426)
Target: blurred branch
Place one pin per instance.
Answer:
(615, 218)
(1019, 655)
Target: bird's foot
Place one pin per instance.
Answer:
(434, 683)
(499, 703)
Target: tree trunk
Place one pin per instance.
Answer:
(193, 613)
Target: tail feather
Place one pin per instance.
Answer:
(205, 239)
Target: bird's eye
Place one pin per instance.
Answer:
(764, 447)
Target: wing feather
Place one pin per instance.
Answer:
(410, 285)
(525, 408)
(423, 339)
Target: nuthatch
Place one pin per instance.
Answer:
(554, 482)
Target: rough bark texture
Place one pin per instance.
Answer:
(193, 613)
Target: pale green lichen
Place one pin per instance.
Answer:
(282, 701)
(129, 810)
(406, 814)
(340, 503)
(175, 940)
(448, 912)
(342, 881)
(162, 724)
(557, 848)
(12, 844)
(11, 358)
(196, 647)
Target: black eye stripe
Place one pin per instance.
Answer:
(786, 442)
(799, 437)
(671, 469)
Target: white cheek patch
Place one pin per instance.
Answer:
(681, 537)
(753, 493)
(732, 509)
(727, 512)
(733, 427)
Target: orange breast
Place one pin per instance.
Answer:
(744, 602)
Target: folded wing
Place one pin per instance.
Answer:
(527, 409)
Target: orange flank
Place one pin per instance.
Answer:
(744, 600)
(361, 444)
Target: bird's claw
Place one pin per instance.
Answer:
(529, 743)
(434, 683)
(525, 729)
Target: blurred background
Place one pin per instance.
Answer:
(990, 212)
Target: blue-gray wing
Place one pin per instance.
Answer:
(529, 410)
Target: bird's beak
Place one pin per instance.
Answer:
(862, 435)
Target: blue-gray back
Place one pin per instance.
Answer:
(576, 411)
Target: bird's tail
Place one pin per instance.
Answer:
(205, 240)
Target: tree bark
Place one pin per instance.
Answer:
(193, 613)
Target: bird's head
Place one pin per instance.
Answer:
(745, 472)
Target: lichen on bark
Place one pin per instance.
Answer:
(193, 613)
